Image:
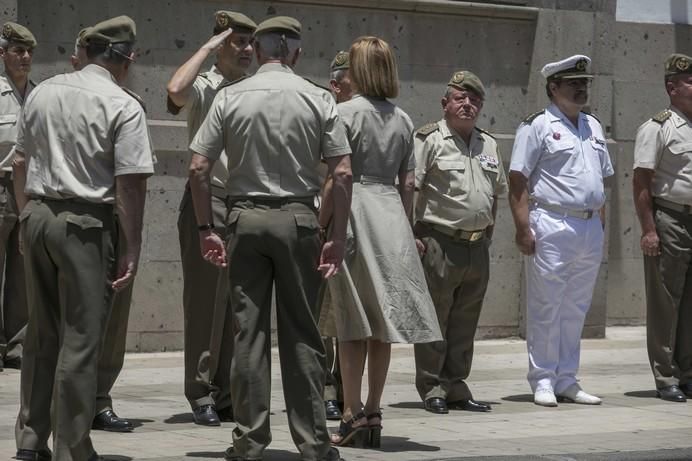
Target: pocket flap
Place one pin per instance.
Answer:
(680, 148)
(8, 118)
(558, 146)
(26, 212)
(84, 221)
(306, 220)
(446, 165)
(232, 217)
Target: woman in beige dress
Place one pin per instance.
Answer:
(380, 295)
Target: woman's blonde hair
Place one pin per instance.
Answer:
(373, 68)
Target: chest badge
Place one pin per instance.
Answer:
(556, 136)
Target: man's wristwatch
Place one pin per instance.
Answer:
(205, 227)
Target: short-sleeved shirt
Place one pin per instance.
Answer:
(565, 165)
(78, 131)
(457, 183)
(275, 127)
(390, 150)
(205, 87)
(667, 148)
(10, 104)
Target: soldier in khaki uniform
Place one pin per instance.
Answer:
(459, 175)
(274, 127)
(208, 362)
(70, 174)
(663, 199)
(16, 49)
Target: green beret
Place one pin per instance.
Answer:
(120, 29)
(226, 19)
(465, 80)
(678, 63)
(17, 33)
(283, 24)
(340, 61)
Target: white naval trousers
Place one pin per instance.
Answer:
(560, 278)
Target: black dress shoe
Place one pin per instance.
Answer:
(109, 421)
(469, 405)
(671, 394)
(436, 405)
(33, 455)
(331, 408)
(225, 414)
(205, 415)
(686, 389)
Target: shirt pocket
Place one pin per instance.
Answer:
(451, 175)
(681, 157)
(8, 128)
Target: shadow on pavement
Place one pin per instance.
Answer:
(115, 458)
(180, 418)
(269, 455)
(519, 398)
(649, 394)
(136, 422)
(392, 444)
(407, 405)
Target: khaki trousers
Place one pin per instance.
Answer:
(457, 273)
(114, 342)
(669, 300)
(207, 351)
(13, 302)
(276, 241)
(69, 259)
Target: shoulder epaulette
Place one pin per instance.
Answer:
(136, 97)
(485, 132)
(532, 117)
(426, 130)
(318, 85)
(591, 114)
(233, 82)
(662, 116)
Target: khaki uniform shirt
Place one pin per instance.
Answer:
(667, 148)
(458, 183)
(10, 105)
(274, 126)
(204, 89)
(388, 153)
(80, 130)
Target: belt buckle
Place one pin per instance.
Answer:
(475, 236)
(588, 214)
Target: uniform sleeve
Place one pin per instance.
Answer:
(209, 140)
(526, 151)
(193, 99)
(501, 186)
(648, 145)
(19, 144)
(408, 163)
(132, 147)
(334, 141)
(424, 156)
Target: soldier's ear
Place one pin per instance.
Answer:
(444, 101)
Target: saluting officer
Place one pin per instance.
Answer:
(557, 198)
(663, 199)
(274, 127)
(71, 170)
(459, 176)
(17, 45)
(208, 344)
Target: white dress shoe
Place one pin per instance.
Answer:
(544, 397)
(574, 394)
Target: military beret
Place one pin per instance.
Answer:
(226, 19)
(120, 29)
(283, 24)
(678, 63)
(17, 33)
(577, 66)
(341, 61)
(465, 80)
(80, 37)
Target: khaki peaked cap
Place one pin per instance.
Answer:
(226, 19)
(465, 80)
(121, 29)
(281, 24)
(17, 33)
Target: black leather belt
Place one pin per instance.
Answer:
(663, 203)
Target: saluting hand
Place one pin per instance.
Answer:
(331, 257)
(526, 242)
(650, 243)
(217, 40)
(213, 248)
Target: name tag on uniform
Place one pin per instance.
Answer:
(488, 162)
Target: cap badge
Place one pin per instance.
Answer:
(556, 136)
(581, 65)
(682, 64)
(341, 58)
(222, 20)
(458, 77)
(7, 31)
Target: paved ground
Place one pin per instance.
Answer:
(631, 424)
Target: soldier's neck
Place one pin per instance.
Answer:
(21, 82)
(686, 112)
(463, 131)
(230, 73)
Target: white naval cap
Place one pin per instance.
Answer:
(577, 66)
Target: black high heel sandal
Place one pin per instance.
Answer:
(356, 436)
(375, 430)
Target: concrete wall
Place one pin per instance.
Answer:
(504, 45)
